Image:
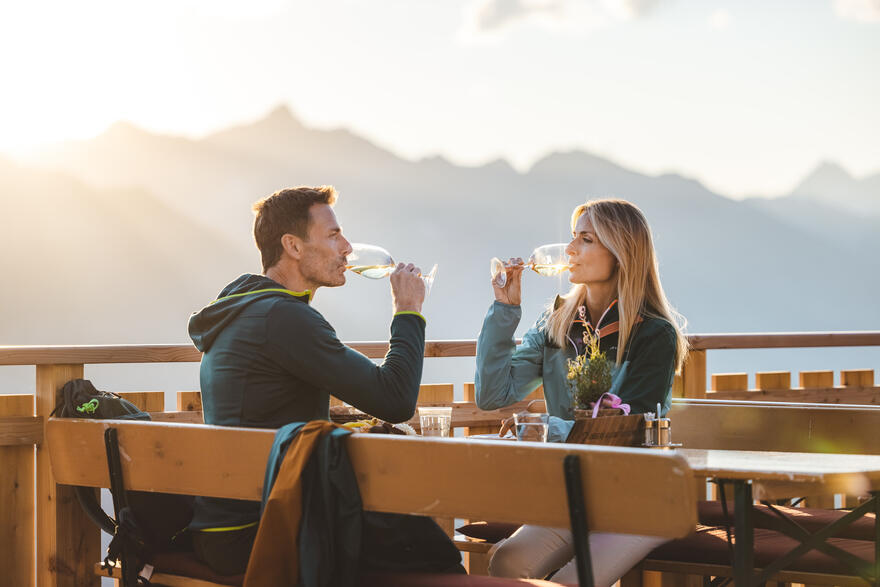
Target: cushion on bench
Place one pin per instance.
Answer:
(711, 513)
(435, 580)
(185, 564)
(709, 545)
(810, 519)
(488, 531)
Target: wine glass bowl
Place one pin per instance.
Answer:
(546, 260)
(374, 262)
(370, 261)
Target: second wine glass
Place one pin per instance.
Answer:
(545, 260)
(374, 262)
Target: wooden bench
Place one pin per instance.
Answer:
(447, 478)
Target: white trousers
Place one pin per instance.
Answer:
(533, 552)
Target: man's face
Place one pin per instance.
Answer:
(323, 255)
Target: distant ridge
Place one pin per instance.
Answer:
(831, 184)
(756, 265)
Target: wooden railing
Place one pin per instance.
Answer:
(28, 490)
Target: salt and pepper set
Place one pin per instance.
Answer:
(658, 431)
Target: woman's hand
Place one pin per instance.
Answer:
(507, 425)
(511, 293)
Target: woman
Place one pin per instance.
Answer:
(616, 288)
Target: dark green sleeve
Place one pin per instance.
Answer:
(651, 368)
(306, 345)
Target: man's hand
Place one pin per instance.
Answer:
(407, 288)
(511, 293)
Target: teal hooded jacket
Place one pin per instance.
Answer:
(271, 359)
(507, 372)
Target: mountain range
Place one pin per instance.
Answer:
(118, 238)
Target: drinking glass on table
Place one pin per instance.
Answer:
(375, 263)
(531, 426)
(435, 421)
(545, 260)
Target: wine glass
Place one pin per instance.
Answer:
(545, 260)
(375, 263)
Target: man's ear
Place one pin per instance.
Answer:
(293, 245)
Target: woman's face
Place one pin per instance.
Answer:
(591, 263)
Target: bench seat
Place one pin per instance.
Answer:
(711, 513)
(184, 570)
(706, 552)
(177, 569)
(709, 545)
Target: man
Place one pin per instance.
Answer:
(271, 359)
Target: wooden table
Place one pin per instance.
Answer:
(774, 475)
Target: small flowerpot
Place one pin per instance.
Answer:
(610, 427)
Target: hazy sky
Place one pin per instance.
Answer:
(746, 96)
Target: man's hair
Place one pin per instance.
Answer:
(286, 212)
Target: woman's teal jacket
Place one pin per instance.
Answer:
(507, 372)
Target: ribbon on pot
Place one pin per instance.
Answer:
(616, 402)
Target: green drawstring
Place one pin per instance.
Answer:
(89, 407)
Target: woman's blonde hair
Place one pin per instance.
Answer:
(622, 228)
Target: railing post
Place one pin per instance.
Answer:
(68, 543)
(17, 500)
(693, 374)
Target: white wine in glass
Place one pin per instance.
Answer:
(375, 263)
(546, 260)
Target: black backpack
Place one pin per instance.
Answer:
(80, 399)
(146, 523)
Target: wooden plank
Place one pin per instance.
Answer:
(450, 348)
(730, 381)
(835, 395)
(20, 430)
(815, 379)
(68, 542)
(694, 374)
(168, 353)
(477, 563)
(436, 394)
(470, 395)
(677, 385)
(189, 401)
(179, 417)
(772, 380)
(99, 354)
(819, 501)
(17, 498)
(148, 401)
(784, 427)
(857, 378)
(399, 474)
(783, 340)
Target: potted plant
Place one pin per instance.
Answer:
(590, 374)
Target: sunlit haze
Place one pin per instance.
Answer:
(744, 96)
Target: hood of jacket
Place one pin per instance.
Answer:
(206, 324)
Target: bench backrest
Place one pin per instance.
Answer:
(625, 490)
(776, 426)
